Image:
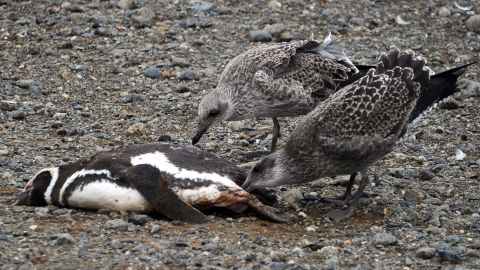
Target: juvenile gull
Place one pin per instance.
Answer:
(356, 126)
(172, 180)
(279, 80)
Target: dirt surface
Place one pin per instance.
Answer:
(78, 77)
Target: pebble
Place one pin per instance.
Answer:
(133, 98)
(425, 252)
(201, 6)
(138, 219)
(277, 266)
(384, 239)
(448, 255)
(275, 30)
(126, 4)
(293, 195)
(18, 115)
(189, 23)
(444, 11)
(260, 36)
(473, 23)
(152, 73)
(143, 17)
(64, 239)
(41, 211)
(180, 62)
(426, 175)
(137, 129)
(155, 229)
(274, 4)
(25, 84)
(164, 138)
(188, 75)
(117, 224)
(8, 105)
(183, 89)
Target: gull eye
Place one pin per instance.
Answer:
(213, 113)
(256, 169)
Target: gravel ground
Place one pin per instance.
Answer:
(81, 76)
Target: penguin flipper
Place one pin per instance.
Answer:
(154, 186)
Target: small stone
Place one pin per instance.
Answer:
(198, 261)
(126, 4)
(181, 243)
(138, 219)
(143, 17)
(189, 23)
(293, 196)
(425, 252)
(60, 211)
(155, 229)
(180, 62)
(426, 175)
(64, 239)
(152, 73)
(41, 211)
(76, 8)
(18, 115)
(116, 224)
(259, 36)
(277, 266)
(137, 129)
(356, 21)
(182, 89)
(448, 255)
(188, 75)
(8, 105)
(473, 23)
(25, 84)
(133, 98)
(164, 138)
(278, 256)
(66, 46)
(275, 30)
(274, 4)
(444, 11)
(449, 104)
(200, 6)
(384, 239)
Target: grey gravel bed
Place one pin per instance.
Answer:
(82, 76)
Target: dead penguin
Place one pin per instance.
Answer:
(175, 181)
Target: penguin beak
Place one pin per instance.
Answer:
(22, 199)
(202, 128)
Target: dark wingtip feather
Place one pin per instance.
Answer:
(439, 87)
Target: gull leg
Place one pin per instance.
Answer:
(275, 134)
(338, 215)
(342, 200)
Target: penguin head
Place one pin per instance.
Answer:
(34, 191)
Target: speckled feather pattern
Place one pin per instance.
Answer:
(286, 82)
(360, 123)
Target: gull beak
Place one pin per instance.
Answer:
(199, 133)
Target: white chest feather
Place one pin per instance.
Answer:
(107, 195)
(199, 195)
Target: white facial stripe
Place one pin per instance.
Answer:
(161, 162)
(77, 174)
(48, 192)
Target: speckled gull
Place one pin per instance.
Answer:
(276, 80)
(356, 126)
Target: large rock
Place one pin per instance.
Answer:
(473, 23)
(143, 17)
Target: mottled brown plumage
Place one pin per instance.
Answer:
(357, 125)
(277, 80)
